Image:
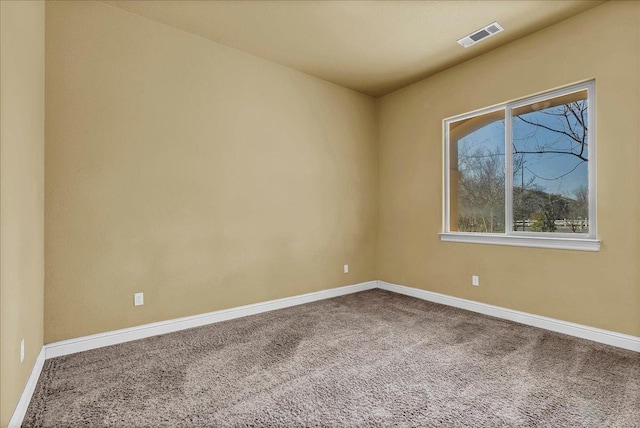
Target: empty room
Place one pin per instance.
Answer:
(320, 213)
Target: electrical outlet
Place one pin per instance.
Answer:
(346, 268)
(22, 350)
(475, 280)
(138, 299)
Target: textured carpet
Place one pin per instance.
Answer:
(368, 359)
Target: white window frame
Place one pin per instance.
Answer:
(568, 241)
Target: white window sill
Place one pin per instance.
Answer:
(562, 243)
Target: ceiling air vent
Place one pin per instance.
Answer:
(481, 34)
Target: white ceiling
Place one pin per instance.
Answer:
(373, 47)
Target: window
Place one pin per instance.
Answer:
(523, 173)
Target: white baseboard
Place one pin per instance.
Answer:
(100, 340)
(27, 392)
(85, 343)
(619, 340)
(71, 346)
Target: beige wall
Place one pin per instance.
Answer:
(597, 289)
(21, 195)
(200, 175)
(208, 178)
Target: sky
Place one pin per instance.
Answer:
(553, 173)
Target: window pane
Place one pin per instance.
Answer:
(476, 198)
(550, 165)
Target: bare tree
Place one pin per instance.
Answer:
(569, 123)
(482, 184)
(568, 120)
(481, 191)
(579, 209)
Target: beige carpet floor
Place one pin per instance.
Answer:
(365, 360)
